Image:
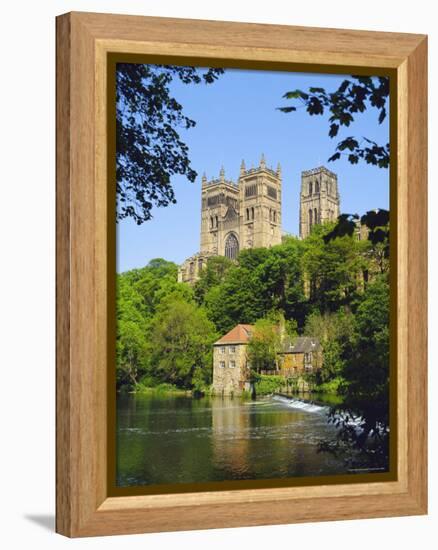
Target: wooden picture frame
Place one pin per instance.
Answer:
(84, 43)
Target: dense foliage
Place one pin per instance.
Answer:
(162, 335)
(263, 346)
(364, 415)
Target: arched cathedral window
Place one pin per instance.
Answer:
(252, 213)
(231, 247)
(310, 188)
(316, 187)
(315, 216)
(247, 213)
(217, 221)
(310, 218)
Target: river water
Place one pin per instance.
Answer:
(178, 439)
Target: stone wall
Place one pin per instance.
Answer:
(229, 379)
(190, 270)
(293, 364)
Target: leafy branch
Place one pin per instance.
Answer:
(353, 96)
(149, 149)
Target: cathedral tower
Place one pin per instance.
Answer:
(260, 199)
(243, 215)
(220, 216)
(235, 216)
(319, 199)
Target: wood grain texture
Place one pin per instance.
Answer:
(83, 42)
(63, 410)
(417, 273)
(337, 43)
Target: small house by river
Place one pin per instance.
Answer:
(231, 368)
(300, 356)
(230, 361)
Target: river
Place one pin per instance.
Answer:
(178, 439)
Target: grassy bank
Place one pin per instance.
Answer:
(160, 389)
(264, 385)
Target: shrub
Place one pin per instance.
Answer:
(266, 384)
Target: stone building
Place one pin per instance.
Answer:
(237, 215)
(231, 369)
(190, 270)
(361, 232)
(230, 364)
(319, 199)
(247, 213)
(299, 356)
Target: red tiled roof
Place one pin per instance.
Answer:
(240, 334)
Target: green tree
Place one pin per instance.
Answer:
(263, 281)
(181, 341)
(140, 292)
(377, 222)
(366, 375)
(263, 345)
(131, 342)
(212, 275)
(353, 96)
(149, 149)
(251, 258)
(235, 300)
(335, 331)
(334, 269)
(280, 281)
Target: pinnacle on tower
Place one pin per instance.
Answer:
(279, 170)
(222, 174)
(242, 168)
(262, 161)
(204, 178)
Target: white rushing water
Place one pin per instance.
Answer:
(293, 403)
(301, 405)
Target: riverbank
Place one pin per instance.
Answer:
(266, 390)
(160, 389)
(268, 384)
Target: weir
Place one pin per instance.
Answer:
(315, 407)
(300, 404)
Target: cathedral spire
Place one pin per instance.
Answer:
(279, 170)
(242, 168)
(204, 179)
(222, 174)
(263, 162)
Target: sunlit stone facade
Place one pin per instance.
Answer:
(237, 215)
(319, 199)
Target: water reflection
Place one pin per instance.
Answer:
(230, 425)
(179, 439)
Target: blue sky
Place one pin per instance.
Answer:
(237, 119)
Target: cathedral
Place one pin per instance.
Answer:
(319, 198)
(247, 213)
